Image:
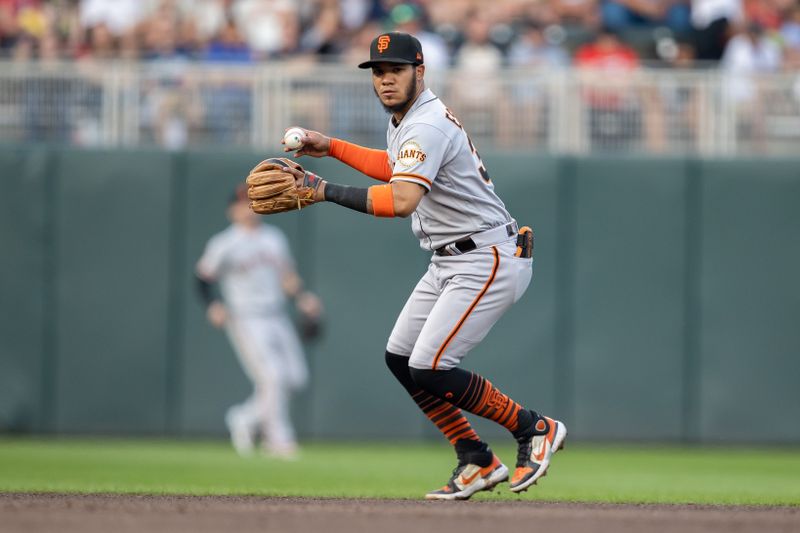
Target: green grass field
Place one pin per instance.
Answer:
(583, 472)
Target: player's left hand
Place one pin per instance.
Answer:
(310, 320)
(279, 184)
(305, 180)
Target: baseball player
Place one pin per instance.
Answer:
(481, 264)
(253, 266)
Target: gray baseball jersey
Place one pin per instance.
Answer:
(249, 265)
(460, 297)
(430, 147)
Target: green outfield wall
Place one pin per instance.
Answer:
(665, 303)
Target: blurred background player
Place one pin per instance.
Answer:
(253, 265)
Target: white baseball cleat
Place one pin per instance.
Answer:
(534, 452)
(467, 479)
(242, 437)
(284, 452)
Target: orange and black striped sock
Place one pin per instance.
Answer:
(446, 416)
(486, 400)
(476, 394)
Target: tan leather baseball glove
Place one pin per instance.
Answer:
(273, 189)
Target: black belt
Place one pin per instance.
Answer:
(467, 244)
(463, 246)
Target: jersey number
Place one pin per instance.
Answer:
(481, 167)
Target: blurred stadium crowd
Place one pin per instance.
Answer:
(689, 76)
(760, 35)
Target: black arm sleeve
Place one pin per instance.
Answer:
(205, 289)
(354, 198)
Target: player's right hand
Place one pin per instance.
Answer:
(315, 144)
(217, 314)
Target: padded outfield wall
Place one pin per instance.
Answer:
(664, 306)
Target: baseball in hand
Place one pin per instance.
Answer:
(293, 138)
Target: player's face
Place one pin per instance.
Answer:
(395, 85)
(240, 213)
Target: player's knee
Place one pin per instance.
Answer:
(398, 366)
(427, 379)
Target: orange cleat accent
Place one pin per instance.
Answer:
(467, 479)
(534, 453)
(520, 473)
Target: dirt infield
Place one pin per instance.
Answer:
(32, 513)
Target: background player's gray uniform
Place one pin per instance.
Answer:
(460, 297)
(250, 265)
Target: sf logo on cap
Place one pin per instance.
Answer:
(383, 43)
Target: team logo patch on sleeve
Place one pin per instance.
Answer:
(410, 154)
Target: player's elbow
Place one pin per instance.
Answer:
(406, 197)
(403, 208)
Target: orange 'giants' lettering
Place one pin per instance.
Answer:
(412, 154)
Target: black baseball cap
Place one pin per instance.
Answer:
(394, 47)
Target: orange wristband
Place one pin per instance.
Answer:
(382, 200)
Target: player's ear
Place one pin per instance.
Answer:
(420, 71)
